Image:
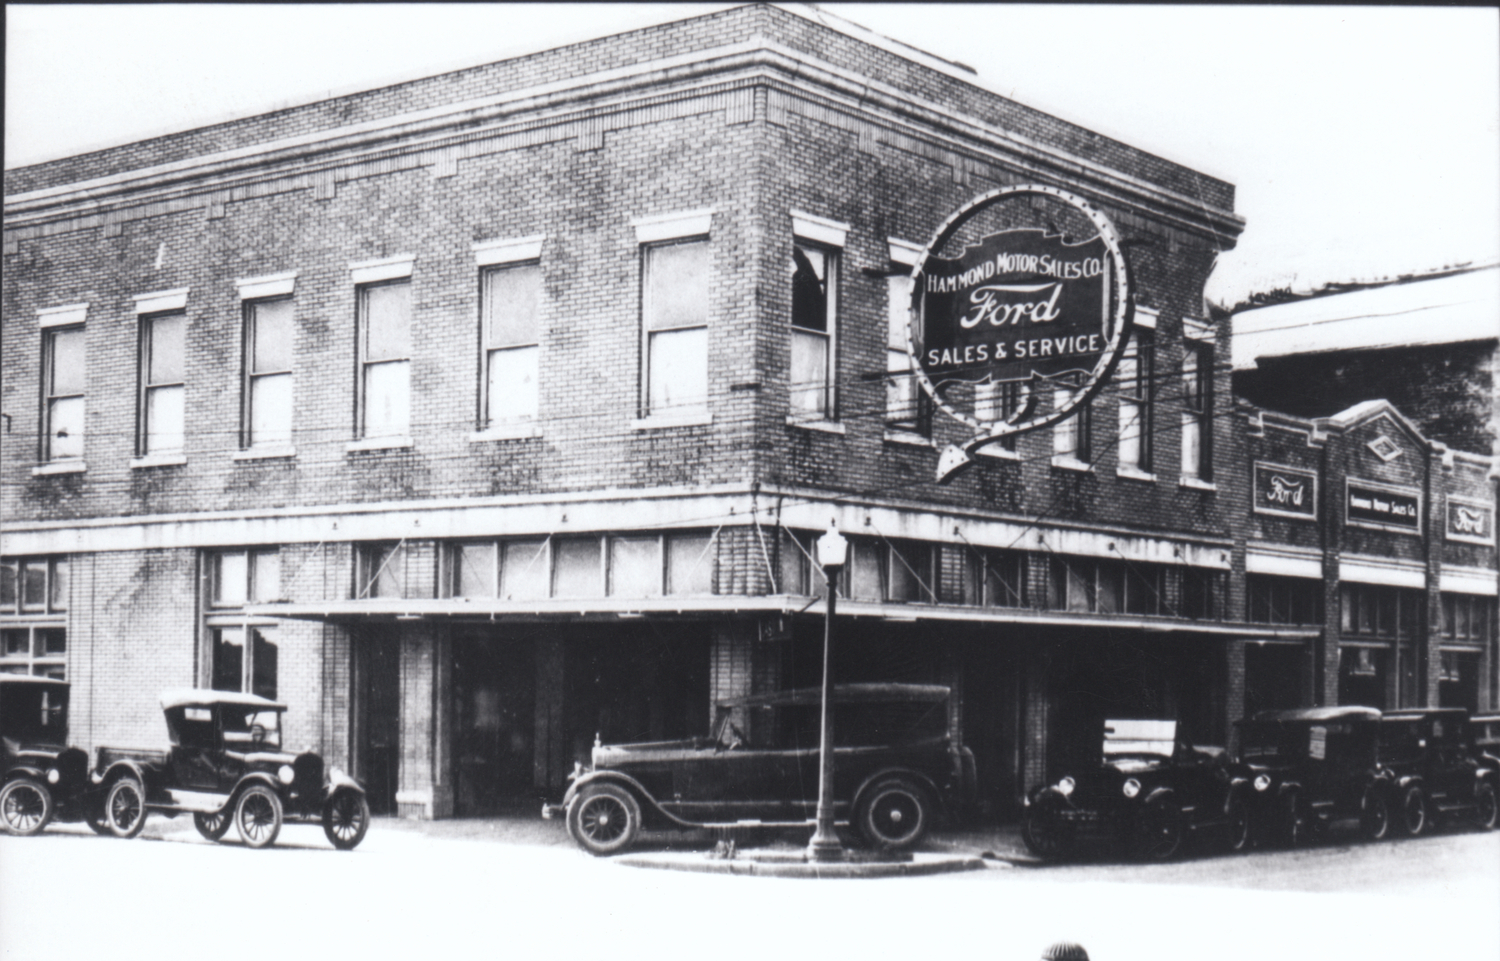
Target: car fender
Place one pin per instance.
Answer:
(1239, 789)
(902, 772)
(1409, 780)
(628, 783)
(339, 781)
(256, 777)
(125, 768)
(1288, 787)
(1158, 793)
(25, 770)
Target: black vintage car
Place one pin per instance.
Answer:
(898, 767)
(1310, 767)
(1149, 790)
(44, 778)
(1429, 753)
(226, 763)
(1484, 739)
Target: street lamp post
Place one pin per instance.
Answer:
(833, 549)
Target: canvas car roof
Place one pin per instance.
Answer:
(197, 697)
(1336, 713)
(843, 694)
(1417, 713)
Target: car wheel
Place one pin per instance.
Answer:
(894, 814)
(125, 808)
(1161, 831)
(1239, 825)
(1485, 808)
(258, 816)
(605, 818)
(1414, 811)
(1045, 831)
(213, 826)
(1296, 828)
(1375, 815)
(25, 806)
(346, 818)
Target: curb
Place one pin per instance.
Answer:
(795, 867)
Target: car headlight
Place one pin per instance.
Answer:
(1262, 782)
(53, 775)
(285, 774)
(1065, 786)
(1132, 787)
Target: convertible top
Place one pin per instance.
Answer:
(844, 694)
(1337, 713)
(197, 697)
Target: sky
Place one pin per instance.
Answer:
(1364, 142)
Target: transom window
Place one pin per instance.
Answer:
(1095, 586)
(1379, 611)
(623, 565)
(875, 569)
(1284, 600)
(995, 578)
(1468, 618)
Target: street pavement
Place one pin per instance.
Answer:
(518, 887)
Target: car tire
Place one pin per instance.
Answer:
(25, 806)
(125, 808)
(894, 814)
(1046, 833)
(1238, 839)
(1161, 830)
(1375, 815)
(346, 818)
(1485, 806)
(214, 826)
(604, 819)
(1296, 826)
(258, 816)
(1414, 811)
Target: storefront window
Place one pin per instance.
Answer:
(1379, 611)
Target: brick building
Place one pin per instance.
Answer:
(480, 415)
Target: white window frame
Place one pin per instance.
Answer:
(156, 446)
(52, 397)
(660, 230)
(221, 616)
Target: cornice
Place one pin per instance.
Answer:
(455, 131)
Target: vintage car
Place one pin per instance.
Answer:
(44, 778)
(1429, 754)
(1484, 738)
(1311, 767)
(898, 767)
(1149, 790)
(226, 763)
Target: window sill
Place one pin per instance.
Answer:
(826, 426)
(1071, 463)
(158, 460)
(506, 432)
(1130, 473)
(59, 467)
(654, 421)
(1196, 483)
(379, 443)
(998, 452)
(910, 438)
(264, 453)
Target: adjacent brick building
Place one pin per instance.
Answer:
(482, 415)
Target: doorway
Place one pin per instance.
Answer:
(377, 716)
(494, 704)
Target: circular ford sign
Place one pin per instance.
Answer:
(1016, 311)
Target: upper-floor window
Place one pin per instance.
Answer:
(995, 578)
(268, 373)
(64, 382)
(1379, 611)
(995, 402)
(815, 271)
(621, 565)
(33, 628)
(162, 413)
(1095, 586)
(1134, 379)
(1284, 600)
(905, 400)
(1197, 411)
(385, 359)
(1468, 618)
(510, 301)
(243, 651)
(1072, 437)
(674, 308)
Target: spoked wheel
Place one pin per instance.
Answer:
(346, 818)
(125, 808)
(604, 819)
(213, 826)
(893, 815)
(1485, 807)
(1046, 832)
(258, 816)
(1161, 831)
(25, 806)
(1375, 816)
(1239, 826)
(1414, 811)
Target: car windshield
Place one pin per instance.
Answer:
(38, 714)
(251, 727)
(1272, 740)
(1139, 738)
